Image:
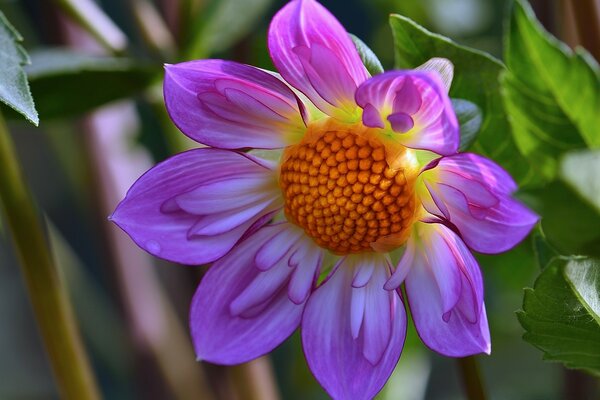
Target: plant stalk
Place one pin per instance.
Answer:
(51, 307)
(471, 378)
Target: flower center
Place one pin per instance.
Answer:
(339, 188)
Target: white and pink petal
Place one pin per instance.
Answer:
(462, 330)
(413, 108)
(241, 312)
(353, 336)
(233, 106)
(473, 195)
(182, 210)
(315, 54)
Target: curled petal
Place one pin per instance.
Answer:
(315, 54)
(462, 330)
(474, 195)
(353, 337)
(239, 312)
(229, 105)
(182, 210)
(416, 106)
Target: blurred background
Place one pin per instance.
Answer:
(103, 123)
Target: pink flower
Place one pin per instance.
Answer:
(358, 180)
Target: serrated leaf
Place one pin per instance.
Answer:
(67, 83)
(558, 319)
(475, 79)
(551, 93)
(580, 169)
(470, 119)
(222, 23)
(368, 57)
(14, 90)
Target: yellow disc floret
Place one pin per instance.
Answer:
(339, 188)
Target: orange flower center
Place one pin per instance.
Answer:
(338, 187)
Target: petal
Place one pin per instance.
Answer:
(306, 271)
(151, 215)
(403, 266)
(417, 107)
(477, 168)
(229, 105)
(487, 230)
(268, 316)
(315, 54)
(350, 365)
(455, 333)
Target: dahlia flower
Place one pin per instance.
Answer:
(356, 188)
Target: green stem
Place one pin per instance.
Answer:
(52, 310)
(471, 377)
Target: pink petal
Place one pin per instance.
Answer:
(422, 116)
(224, 337)
(152, 217)
(453, 333)
(314, 53)
(229, 105)
(474, 195)
(350, 365)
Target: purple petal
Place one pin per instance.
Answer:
(371, 117)
(421, 109)
(313, 52)
(305, 272)
(477, 168)
(229, 105)
(353, 358)
(403, 266)
(280, 244)
(453, 333)
(151, 215)
(268, 316)
(473, 194)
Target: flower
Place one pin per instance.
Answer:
(357, 188)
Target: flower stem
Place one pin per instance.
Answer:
(471, 377)
(52, 310)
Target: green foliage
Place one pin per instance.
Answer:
(475, 79)
(67, 83)
(14, 90)
(580, 170)
(470, 119)
(551, 93)
(221, 24)
(561, 314)
(367, 56)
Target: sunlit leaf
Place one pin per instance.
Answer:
(367, 56)
(475, 79)
(581, 169)
(561, 313)
(14, 90)
(551, 93)
(66, 83)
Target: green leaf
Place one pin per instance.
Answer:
(475, 79)
(367, 56)
(14, 90)
(551, 93)
(580, 170)
(569, 223)
(543, 251)
(67, 83)
(222, 23)
(560, 313)
(470, 119)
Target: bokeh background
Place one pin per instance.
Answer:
(132, 309)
